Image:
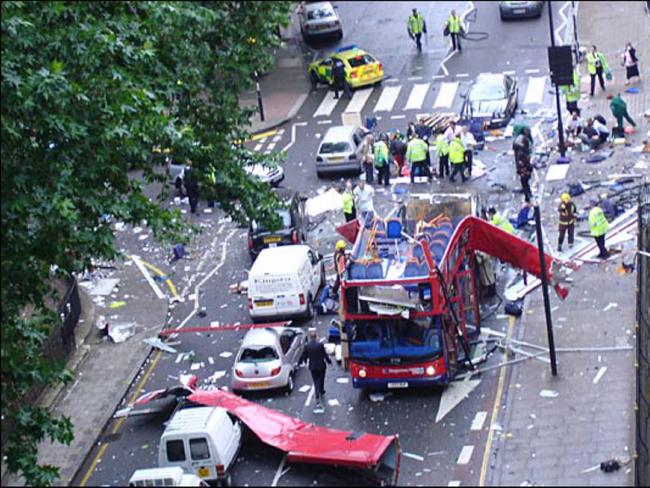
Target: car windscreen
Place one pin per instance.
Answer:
(284, 215)
(335, 147)
(320, 13)
(259, 355)
(360, 60)
(487, 92)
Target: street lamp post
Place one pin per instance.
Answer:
(259, 96)
(576, 43)
(560, 129)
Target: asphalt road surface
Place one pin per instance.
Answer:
(444, 452)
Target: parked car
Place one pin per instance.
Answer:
(201, 440)
(491, 98)
(520, 10)
(319, 19)
(340, 150)
(291, 232)
(361, 68)
(272, 176)
(268, 359)
(165, 477)
(284, 281)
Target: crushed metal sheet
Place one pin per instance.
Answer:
(104, 286)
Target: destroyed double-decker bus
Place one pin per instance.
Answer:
(409, 298)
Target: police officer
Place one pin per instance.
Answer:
(567, 212)
(457, 159)
(442, 151)
(497, 219)
(454, 24)
(382, 163)
(598, 227)
(339, 81)
(315, 353)
(191, 186)
(572, 92)
(416, 26)
(416, 154)
(349, 211)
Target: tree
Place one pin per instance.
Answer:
(88, 89)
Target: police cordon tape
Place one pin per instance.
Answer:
(168, 332)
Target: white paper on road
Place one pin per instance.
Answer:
(104, 287)
(388, 98)
(327, 202)
(359, 99)
(446, 95)
(327, 105)
(557, 172)
(304, 388)
(333, 403)
(416, 98)
(535, 90)
(413, 456)
(549, 394)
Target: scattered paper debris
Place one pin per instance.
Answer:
(104, 286)
(214, 377)
(343, 381)
(116, 304)
(609, 306)
(225, 354)
(159, 344)
(333, 402)
(378, 397)
(413, 456)
(549, 394)
(195, 366)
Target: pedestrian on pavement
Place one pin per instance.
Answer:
(457, 159)
(524, 170)
(596, 66)
(349, 210)
(500, 221)
(368, 157)
(416, 27)
(469, 142)
(523, 141)
(339, 81)
(363, 195)
(598, 227)
(442, 151)
(619, 111)
(398, 150)
(191, 186)
(567, 212)
(382, 162)
(455, 27)
(416, 155)
(631, 63)
(572, 92)
(315, 354)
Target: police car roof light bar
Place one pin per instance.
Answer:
(347, 48)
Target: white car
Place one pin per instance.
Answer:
(319, 19)
(272, 176)
(340, 150)
(165, 477)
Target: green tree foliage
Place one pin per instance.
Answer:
(88, 89)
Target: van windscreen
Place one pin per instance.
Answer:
(260, 355)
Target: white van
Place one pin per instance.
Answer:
(203, 441)
(165, 477)
(284, 282)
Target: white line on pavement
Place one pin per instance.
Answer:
(532, 71)
(359, 99)
(416, 97)
(268, 151)
(479, 420)
(271, 146)
(454, 483)
(465, 455)
(311, 394)
(321, 122)
(535, 90)
(446, 94)
(293, 135)
(258, 147)
(278, 473)
(599, 375)
(414, 78)
(437, 77)
(327, 105)
(397, 117)
(147, 276)
(563, 24)
(462, 75)
(509, 72)
(387, 98)
(391, 80)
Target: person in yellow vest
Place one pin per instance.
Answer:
(349, 211)
(567, 213)
(442, 151)
(572, 92)
(457, 159)
(382, 163)
(340, 263)
(596, 65)
(455, 27)
(598, 227)
(500, 221)
(416, 155)
(416, 26)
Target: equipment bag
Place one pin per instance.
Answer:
(446, 31)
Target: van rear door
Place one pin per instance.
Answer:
(275, 293)
(204, 457)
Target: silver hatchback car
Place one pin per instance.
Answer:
(340, 150)
(268, 359)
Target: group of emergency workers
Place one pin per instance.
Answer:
(416, 26)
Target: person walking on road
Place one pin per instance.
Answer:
(416, 155)
(596, 66)
(191, 186)
(368, 157)
(340, 83)
(382, 163)
(522, 161)
(631, 63)
(349, 211)
(469, 142)
(442, 151)
(567, 212)
(455, 27)
(457, 159)
(619, 110)
(398, 150)
(572, 92)
(598, 227)
(363, 195)
(416, 27)
(315, 354)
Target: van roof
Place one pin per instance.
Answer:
(338, 133)
(195, 419)
(279, 260)
(176, 473)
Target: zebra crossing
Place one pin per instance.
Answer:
(421, 96)
(267, 144)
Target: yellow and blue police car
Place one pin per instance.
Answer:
(361, 68)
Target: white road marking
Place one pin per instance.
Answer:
(446, 94)
(147, 276)
(309, 396)
(293, 134)
(437, 77)
(563, 24)
(278, 473)
(394, 117)
(462, 75)
(421, 116)
(391, 80)
(268, 151)
(532, 71)
(465, 455)
(599, 375)
(535, 90)
(416, 98)
(454, 483)
(277, 138)
(321, 122)
(271, 146)
(327, 105)
(509, 72)
(258, 147)
(479, 420)
(412, 456)
(414, 78)
(359, 99)
(387, 98)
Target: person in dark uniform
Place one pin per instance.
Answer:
(340, 83)
(191, 186)
(315, 353)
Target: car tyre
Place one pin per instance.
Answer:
(319, 174)
(339, 35)
(227, 481)
(313, 77)
(322, 275)
(290, 384)
(309, 314)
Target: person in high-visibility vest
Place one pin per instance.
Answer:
(349, 211)
(500, 221)
(416, 26)
(598, 227)
(572, 92)
(416, 154)
(596, 65)
(442, 151)
(455, 27)
(457, 159)
(382, 164)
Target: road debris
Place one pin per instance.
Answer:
(549, 394)
(121, 332)
(610, 305)
(158, 344)
(413, 456)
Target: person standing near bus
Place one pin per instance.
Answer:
(315, 354)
